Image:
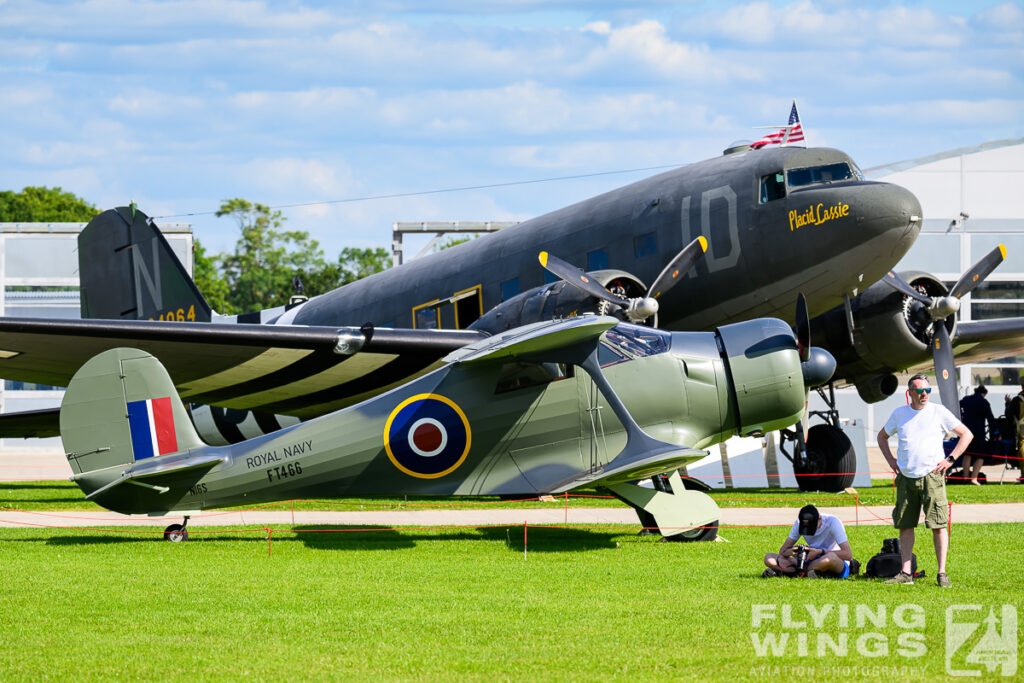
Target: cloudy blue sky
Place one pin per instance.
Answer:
(181, 104)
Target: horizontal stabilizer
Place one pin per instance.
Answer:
(533, 339)
(168, 464)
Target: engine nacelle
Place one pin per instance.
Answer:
(890, 333)
(876, 388)
(556, 300)
(767, 377)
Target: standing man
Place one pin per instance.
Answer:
(976, 413)
(920, 468)
(1016, 413)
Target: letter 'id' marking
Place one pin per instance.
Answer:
(427, 436)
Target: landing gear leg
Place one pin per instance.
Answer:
(823, 458)
(647, 521)
(679, 514)
(177, 533)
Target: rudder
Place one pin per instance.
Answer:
(119, 408)
(128, 271)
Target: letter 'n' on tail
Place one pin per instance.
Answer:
(129, 271)
(121, 422)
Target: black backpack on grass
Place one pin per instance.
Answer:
(889, 562)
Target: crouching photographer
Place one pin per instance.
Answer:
(826, 555)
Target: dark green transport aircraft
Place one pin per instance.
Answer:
(774, 223)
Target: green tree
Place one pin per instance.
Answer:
(353, 264)
(209, 280)
(44, 204)
(453, 241)
(266, 257)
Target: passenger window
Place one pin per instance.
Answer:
(597, 260)
(773, 186)
(520, 375)
(425, 317)
(645, 245)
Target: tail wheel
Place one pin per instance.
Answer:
(829, 461)
(707, 532)
(176, 533)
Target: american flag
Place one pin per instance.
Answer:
(791, 133)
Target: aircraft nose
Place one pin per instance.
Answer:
(892, 212)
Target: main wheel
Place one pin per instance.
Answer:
(176, 533)
(708, 532)
(829, 462)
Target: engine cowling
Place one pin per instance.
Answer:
(556, 300)
(890, 333)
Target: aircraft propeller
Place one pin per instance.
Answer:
(816, 364)
(939, 309)
(637, 309)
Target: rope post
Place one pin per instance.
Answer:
(524, 539)
(270, 535)
(566, 507)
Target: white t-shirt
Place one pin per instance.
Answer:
(920, 435)
(828, 537)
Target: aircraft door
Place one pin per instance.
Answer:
(457, 312)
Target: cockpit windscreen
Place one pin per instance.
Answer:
(821, 175)
(636, 341)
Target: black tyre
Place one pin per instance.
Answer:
(708, 532)
(176, 533)
(829, 463)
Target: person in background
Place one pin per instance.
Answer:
(976, 414)
(1016, 413)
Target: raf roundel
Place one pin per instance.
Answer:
(427, 436)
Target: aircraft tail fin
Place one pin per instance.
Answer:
(121, 419)
(129, 271)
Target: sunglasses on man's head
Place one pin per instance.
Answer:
(926, 390)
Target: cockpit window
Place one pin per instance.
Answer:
(773, 186)
(634, 341)
(820, 175)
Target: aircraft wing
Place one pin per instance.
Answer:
(977, 341)
(28, 424)
(283, 369)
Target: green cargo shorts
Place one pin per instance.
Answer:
(911, 494)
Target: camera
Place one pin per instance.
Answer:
(800, 553)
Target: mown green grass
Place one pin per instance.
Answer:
(63, 495)
(443, 604)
